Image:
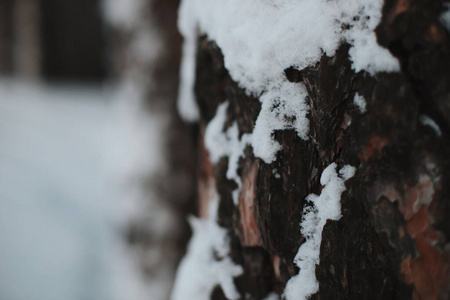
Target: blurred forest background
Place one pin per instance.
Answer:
(96, 168)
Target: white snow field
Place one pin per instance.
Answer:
(59, 224)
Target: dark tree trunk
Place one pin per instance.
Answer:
(392, 241)
(72, 49)
(145, 58)
(5, 37)
(26, 45)
(19, 38)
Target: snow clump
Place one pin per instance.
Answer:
(279, 111)
(326, 206)
(445, 17)
(260, 39)
(123, 14)
(207, 263)
(360, 102)
(427, 121)
(228, 143)
(272, 296)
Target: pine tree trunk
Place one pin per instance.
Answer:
(392, 241)
(5, 36)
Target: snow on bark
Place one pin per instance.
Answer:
(260, 39)
(445, 17)
(279, 111)
(326, 206)
(398, 208)
(427, 121)
(360, 102)
(124, 14)
(207, 262)
(220, 144)
(272, 296)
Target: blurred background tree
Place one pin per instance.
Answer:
(118, 60)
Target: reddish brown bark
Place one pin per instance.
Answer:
(392, 241)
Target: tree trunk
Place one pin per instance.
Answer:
(19, 38)
(145, 56)
(5, 37)
(392, 238)
(27, 34)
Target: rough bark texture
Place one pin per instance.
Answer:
(392, 241)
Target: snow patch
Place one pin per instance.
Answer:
(276, 174)
(326, 206)
(365, 53)
(207, 262)
(277, 113)
(146, 47)
(187, 107)
(445, 17)
(360, 102)
(123, 13)
(228, 143)
(282, 107)
(260, 39)
(272, 296)
(427, 121)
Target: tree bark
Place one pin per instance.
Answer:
(392, 241)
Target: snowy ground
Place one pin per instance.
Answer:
(58, 224)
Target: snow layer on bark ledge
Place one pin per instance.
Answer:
(260, 39)
(207, 263)
(326, 206)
